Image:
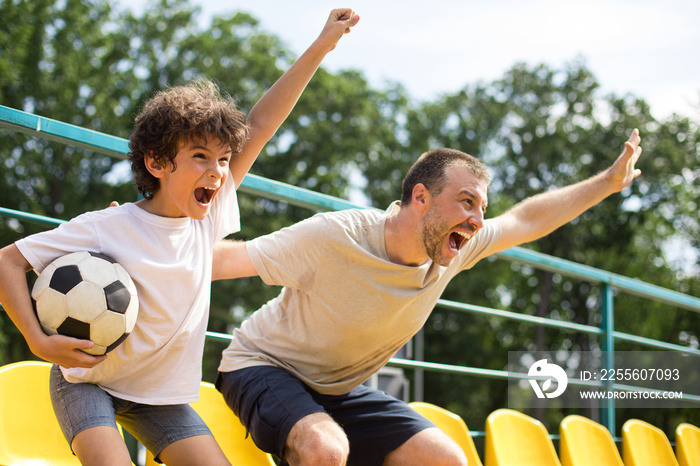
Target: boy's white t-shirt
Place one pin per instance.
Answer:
(345, 308)
(170, 261)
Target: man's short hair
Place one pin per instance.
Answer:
(430, 170)
(177, 116)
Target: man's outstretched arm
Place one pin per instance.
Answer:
(541, 214)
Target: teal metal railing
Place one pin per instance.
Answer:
(117, 147)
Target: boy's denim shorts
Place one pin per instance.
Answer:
(269, 401)
(80, 406)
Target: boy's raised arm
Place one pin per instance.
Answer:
(273, 108)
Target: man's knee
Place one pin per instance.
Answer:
(317, 440)
(428, 447)
(446, 454)
(451, 458)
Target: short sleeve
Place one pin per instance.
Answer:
(41, 249)
(289, 257)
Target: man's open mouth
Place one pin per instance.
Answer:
(458, 239)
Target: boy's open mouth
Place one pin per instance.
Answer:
(204, 195)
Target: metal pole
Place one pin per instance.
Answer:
(419, 355)
(607, 410)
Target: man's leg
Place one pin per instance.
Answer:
(428, 447)
(316, 440)
(377, 425)
(282, 417)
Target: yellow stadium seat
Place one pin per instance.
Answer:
(645, 445)
(515, 439)
(452, 425)
(586, 443)
(228, 431)
(29, 431)
(688, 445)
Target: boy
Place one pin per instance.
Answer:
(190, 149)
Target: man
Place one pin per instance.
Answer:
(358, 284)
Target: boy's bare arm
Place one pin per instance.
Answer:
(16, 300)
(231, 260)
(273, 108)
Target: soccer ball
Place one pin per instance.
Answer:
(88, 296)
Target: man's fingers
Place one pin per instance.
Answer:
(631, 154)
(632, 148)
(634, 138)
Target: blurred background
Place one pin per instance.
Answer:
(544, 92)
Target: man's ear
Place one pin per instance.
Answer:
(421, 197)
(154, 167)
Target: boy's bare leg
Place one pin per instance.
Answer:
(101, 445)
(196, 450)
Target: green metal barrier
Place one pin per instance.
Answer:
(117, 147)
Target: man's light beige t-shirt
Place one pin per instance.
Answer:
(345, 308)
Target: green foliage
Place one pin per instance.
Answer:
(537, 128)
(541, 129)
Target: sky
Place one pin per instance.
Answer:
(650, 49)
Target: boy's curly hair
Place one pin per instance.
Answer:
(176, 116)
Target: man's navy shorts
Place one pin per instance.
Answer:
(270, 400)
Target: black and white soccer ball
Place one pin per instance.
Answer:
(88, 296)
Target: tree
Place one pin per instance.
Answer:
(86, 64)
(62, 61)
(538, 129)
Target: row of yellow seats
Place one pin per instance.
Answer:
(29, 432)
(515, 439)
